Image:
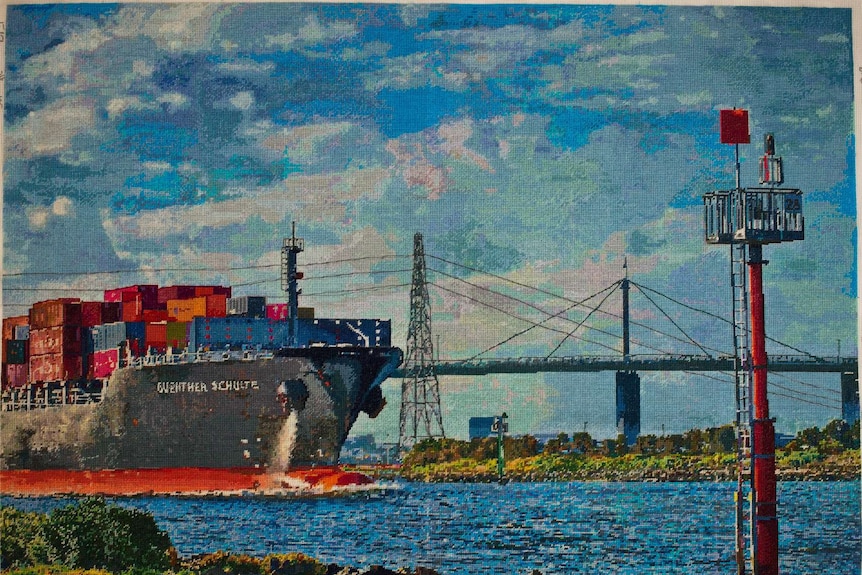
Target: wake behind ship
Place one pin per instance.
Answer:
(187, 376)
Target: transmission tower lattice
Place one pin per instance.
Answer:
(420, 389)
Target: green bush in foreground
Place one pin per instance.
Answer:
(89, 535)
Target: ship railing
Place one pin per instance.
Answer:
(200, 356)
(51, 394)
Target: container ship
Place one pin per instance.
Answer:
(187, 376)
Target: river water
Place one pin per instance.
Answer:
(558, 528)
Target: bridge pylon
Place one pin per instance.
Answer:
(421, 416)
(628, 383)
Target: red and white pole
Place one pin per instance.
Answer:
(765, 507)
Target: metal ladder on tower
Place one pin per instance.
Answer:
(745, 528)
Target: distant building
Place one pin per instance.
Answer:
(481, 427)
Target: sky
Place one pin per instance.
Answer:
(530, 145)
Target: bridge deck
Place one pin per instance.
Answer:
(778, 363)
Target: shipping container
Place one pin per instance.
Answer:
(216, 305)
(55, 367)
(16, 375)
(112, 312)
(175, 292)
(112, 335)
(156, 335)
(277, 311)
(104, 363)
(133, 307)
(10, 323)
(54, 313)
(305, 313)
(17, 351)
(149, 294)
(61, 339)
(235, 333)
(212, 290)
(91, 313)
(176, 335)
(247, 306)
(154, 315)
(21, 332)
(186, 309)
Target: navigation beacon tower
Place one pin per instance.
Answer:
(746, 219)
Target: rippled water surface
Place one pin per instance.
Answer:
(561, 528)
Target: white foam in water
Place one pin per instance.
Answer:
(284, 444)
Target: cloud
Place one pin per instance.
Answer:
(50, 130)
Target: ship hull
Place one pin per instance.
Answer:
(293, 409)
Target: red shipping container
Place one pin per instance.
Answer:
(55, 312)
(156, 334)
(55, 367)
(91, 313)
(112, 312)
(103, 363)
(222, 290)
(216, 305)
(175, 292)
(10, 323)
(154, 315)
(16, 375)
(62, 339)
(203, 290)
(149, 294)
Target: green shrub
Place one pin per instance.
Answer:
(93, 534)
(292, 564)
(21, 543)
(225, 562)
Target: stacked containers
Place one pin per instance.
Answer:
(205, 333)
(55, 340)
(247, 306)
(213, 305)
(16, 351)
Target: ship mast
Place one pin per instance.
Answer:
(289, 276)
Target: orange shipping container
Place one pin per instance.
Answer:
(61, 339)
(186, 309)
(55, 312)
(10, 323)
(156, 334)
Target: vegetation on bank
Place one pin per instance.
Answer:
(830, 453)
(95, 538)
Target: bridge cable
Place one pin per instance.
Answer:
(547, 313)
(800, 382)
(794, 391)
(670, 319)
(533, 324)
(725, 320)
(604, 299)
(564, 298)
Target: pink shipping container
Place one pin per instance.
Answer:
(16, 375)
(103, 363)
(55, 312)
(91, 313)
(62, 339)
(149, 294)
(277, 311)
(55, 367)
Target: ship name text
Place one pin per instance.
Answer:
(204, 387)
